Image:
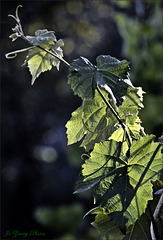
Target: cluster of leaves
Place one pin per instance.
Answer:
(38, 59)
(122, 161)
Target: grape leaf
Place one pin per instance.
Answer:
(110, 73)
(82, 78)
(109, 153)
(106, 227)
(124, 181)
(42, 37)
(129, 110)
(139, 230)
(75, 128)
(134, 130)
(132, 104)
(98, 121)
(91, 122)
(39, 60)
(114, 74)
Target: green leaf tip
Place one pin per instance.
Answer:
(87, 185)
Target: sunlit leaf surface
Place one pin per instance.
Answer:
(39, 60)
(121, 182)
(92, 122)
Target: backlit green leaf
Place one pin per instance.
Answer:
(130, 108)
(124, 181)
(92, 122)
(129, 111)
(110, 155)
(39, 60)
(131, 104)
(75, 128)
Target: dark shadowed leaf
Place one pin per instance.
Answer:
(106, 227)
(139, 230)
(82, 78)
(114, 74)
(110, 73)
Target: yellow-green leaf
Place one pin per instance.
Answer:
(39, 60)
(123, 182)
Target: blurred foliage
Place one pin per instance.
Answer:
(37, 167)
(143, 35)
(67, 220)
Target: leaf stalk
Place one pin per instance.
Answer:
(54, 55)
(19, 32)
(46, 50)
(153, 228)
(116, 115)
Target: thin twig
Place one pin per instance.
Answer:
(14, 53)
(156, 212)
(20, 32)
(54, 55)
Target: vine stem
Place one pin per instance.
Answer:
(156, 212)
(97, 87)
(115, 114)
(21, 35)
(55, 55)
(46, 50)
(52, 53)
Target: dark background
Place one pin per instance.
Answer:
(38, 170)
